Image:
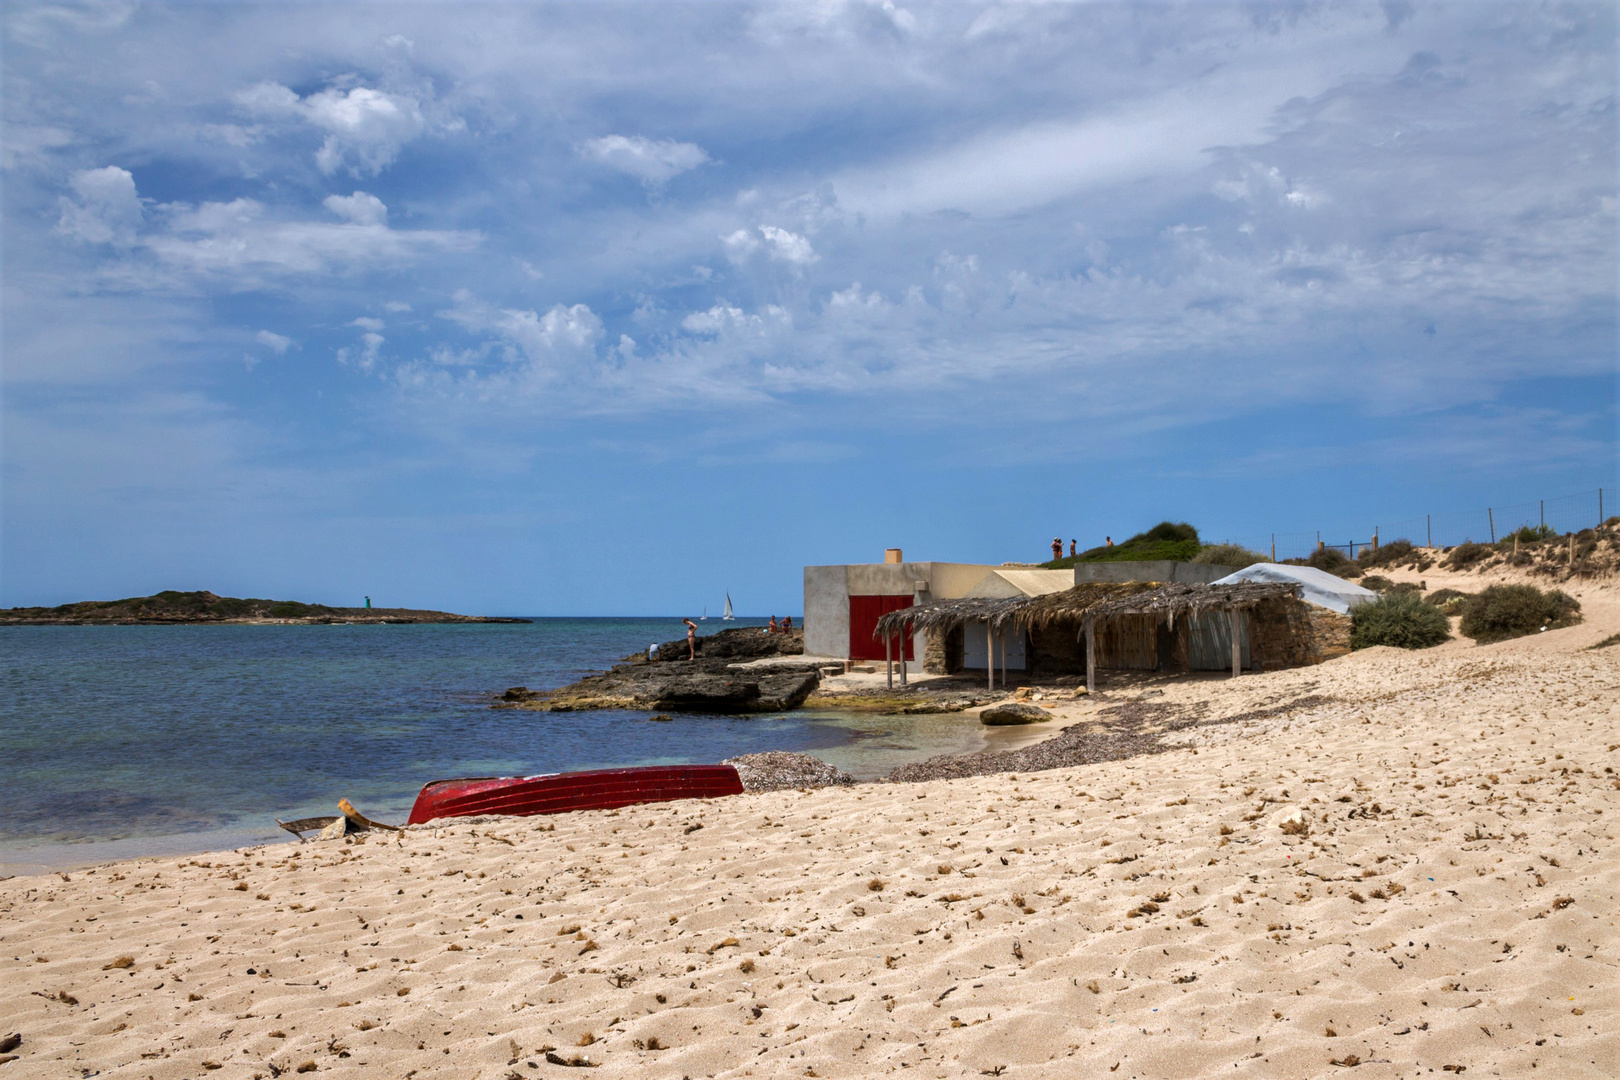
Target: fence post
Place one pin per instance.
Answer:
(1492, 519)
(1543, 513)
(1273, 547)
(1428, 529)
(1600, 506)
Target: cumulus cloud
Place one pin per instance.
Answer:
(104, 208)
(540, 346)
(273, 341)
(359, 208)
(241, 240)
(365, 128)
(652, 162)
(724, 317)
(366, 322)
(780, 244)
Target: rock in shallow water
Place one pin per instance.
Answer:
(1013, 713)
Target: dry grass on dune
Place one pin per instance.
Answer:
(1410, 869)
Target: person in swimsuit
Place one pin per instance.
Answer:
(691, 639)
(1057, 548)
(772, 630)
(787, 624)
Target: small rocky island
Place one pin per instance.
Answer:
(740, 670)
(173, 608)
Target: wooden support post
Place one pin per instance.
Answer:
(888, 659)
(1237, 645)
(900, 646)
(1091, 656)
(1273, 547)
(990, 653)
(1490, 517)
(1428, 529)
(1004, 659)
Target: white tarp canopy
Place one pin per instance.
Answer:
(1320, 587)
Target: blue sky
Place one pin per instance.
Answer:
(607, 309)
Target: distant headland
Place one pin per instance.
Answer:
(198, 608)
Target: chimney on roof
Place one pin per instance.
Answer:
(892, 555)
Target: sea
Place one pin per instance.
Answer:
(124, 741)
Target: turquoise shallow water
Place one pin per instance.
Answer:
(135, 739)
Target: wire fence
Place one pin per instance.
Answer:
(1559, 515)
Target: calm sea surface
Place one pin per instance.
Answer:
(132, 740)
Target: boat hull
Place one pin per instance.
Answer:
(561, 793)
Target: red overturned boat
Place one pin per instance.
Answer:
(560, 793)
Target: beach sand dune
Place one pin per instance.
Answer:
(1401, 864)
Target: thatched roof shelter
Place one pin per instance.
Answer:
(944, 616)
(1170, 602)
(1092, 600)
(1072, 605)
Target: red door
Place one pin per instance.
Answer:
(864, 612)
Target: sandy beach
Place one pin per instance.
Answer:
(1397, 863)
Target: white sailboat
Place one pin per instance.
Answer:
(728, 616)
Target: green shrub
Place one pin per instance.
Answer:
(1233, 555)
(1390, 554)
(1530, 534)
(1449, 601)
(1377, 583)
(1166, 530)
(1467, 554)
(1509, 611)
(1332, 560)
(1398, 619)
(1167, 541)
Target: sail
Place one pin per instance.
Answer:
(728, 614)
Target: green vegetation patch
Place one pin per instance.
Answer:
(1398, 619)
(1172, 541)
(1234, 555)
(1509, 611)
(1394, 553)
(1449, 601)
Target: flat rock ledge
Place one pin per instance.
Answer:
(781, 770)
(1013, 713)
(716, 682)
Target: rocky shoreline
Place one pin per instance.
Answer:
(740, 670)
(210, 609)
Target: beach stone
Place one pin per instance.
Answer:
(1013, 713)
(786, 691)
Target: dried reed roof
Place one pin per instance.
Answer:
(1093, 600)
(947, 615)
(1170, 602)
(1072, 605)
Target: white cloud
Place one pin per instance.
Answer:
(564, 334)
(651, 162)
(787, 246)
(366, 322)
(241, 241)
(396, 306)
(780, 244)
(740, 245)
(105, 210)
(365, 128)
(275, 342)
(370, 353)
(360, 208)
(724, 317)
